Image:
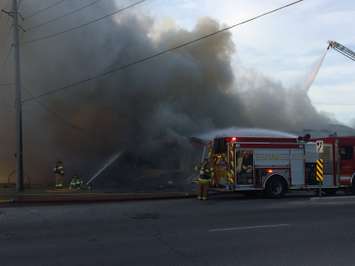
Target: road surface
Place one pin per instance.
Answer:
(222, 231)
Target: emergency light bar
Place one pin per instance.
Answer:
(232, 139)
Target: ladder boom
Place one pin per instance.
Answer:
(342, 49)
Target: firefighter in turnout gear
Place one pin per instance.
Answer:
(59, 175)
(204, 179)
(75, 183)
(220, 172)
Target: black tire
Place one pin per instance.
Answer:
(275, 187)
(353, 186)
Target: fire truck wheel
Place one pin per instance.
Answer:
(275, 187)
(353, 186)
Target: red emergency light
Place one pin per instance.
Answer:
(232, 139)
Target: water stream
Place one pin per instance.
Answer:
(107, 164)
(314, 72)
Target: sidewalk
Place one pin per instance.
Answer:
(66, 196)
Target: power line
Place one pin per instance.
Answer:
(9, 29)
(45, 9)
(49, 36)
(144, 59)
(55, 114)
(6, 7)
(62, 16)
(1, 16)
(64, 121)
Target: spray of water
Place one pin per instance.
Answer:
(244, 132)
(314, 72)
(113, 159)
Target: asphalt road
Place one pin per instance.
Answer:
(222, 231)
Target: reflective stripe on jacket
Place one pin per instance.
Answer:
(59, 170)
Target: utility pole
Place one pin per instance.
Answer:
(19, 141)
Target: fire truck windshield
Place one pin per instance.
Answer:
(219, 146)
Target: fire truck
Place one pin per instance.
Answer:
(278, 164)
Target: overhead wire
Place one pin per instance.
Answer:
(55, 114)
(10, 26)
(49, 36)
(6, 7)
(35, 13)
(62, 16)
(83, 132)
(158, 54)
(42, 105)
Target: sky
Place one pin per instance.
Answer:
(284, 46)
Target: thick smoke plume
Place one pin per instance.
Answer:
(148, 110)
(353, 123)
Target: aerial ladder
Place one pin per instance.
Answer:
(331, 45)
(341, 49)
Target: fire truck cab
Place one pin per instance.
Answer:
(338, 154)
(278, 164)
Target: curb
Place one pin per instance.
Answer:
(333, 198)
(93, 198)
(6, 201)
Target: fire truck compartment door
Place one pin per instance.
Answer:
(327, 156)
(311, 154)
(271, 158)
(297, 167)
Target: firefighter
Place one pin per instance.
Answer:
(220, 172)
(75, 183)
(204, 180)
(59, 174)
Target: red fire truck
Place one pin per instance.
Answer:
(277, 164)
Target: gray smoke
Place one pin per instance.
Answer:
(270, 105)
(150, 109)
(353, 123)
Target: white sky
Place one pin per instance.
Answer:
(286, 45)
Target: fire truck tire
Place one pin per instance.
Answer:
(275, 187)
(353, 186)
